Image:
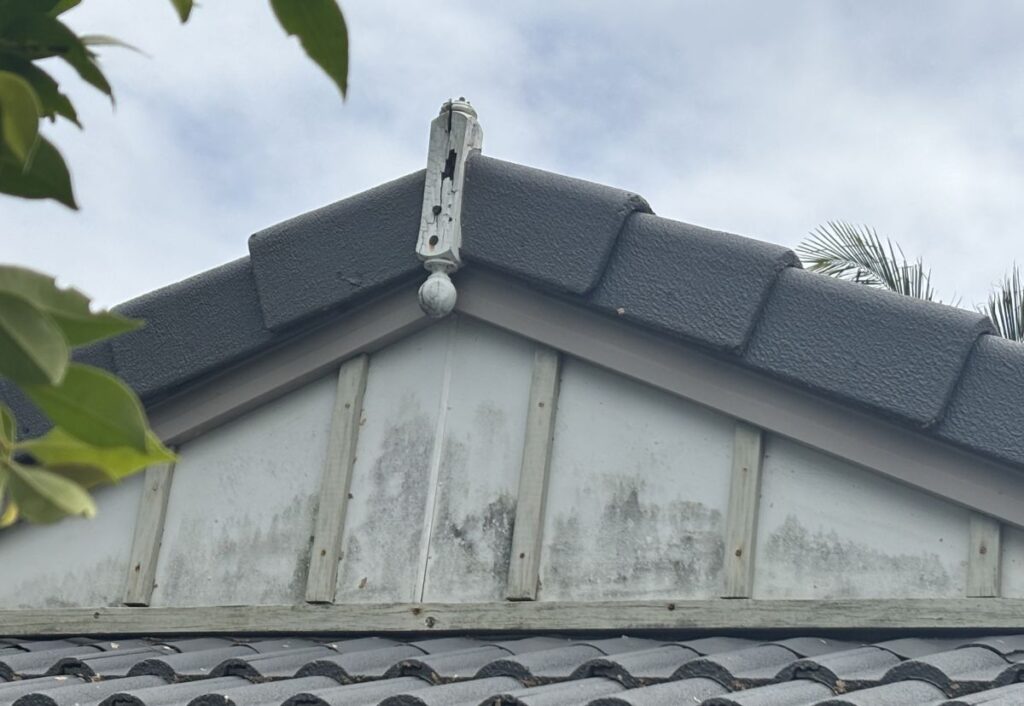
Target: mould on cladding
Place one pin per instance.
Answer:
(244, 560)
(382, 552)
(640, 547)
(472, 531)
(798, 562)
(93, 587)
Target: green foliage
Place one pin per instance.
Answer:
(321, 29)
(857, 254)
(101, 434)
(1005, 306)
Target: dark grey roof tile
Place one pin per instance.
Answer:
(193, 327)
(688, 281)
(879, 350)
(858, 668)
(815, 646)
(674, 693)
(540, 667)
(171, 694)
(359, 694)
(359, 665)
(574, 693)
(1006, 645)
(39, 662)
(716, 644)
(475, 691)
(794, 693)
(266, 646)
(984, 414)
(84, 693)
(115, 663)
(446, 644)
(334, 255)
(621, 645)
(198, 644)
(535, 643)
(190, 665)
(552, 230)
(906, 693)
(914, 647)
(739, 669)
(448, 666)
(637, 668)
(958, 671)
(272, 665)
(267, 692)
(1011, 695)
(12, 690)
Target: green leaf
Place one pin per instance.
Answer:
(8, 429)
(320, 27)
(44, 496)
(63, 6)
(91, 465)
(94, 406)
(103, 40)
(8, 508)
(69, 308)
(51, 100)
(19, 115)
(41, 36)
(184, 9)
(33, 351)
(47, 176)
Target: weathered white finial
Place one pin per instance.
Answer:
(454, 133)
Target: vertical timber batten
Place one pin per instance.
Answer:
(325, 552)
(524, 563)
(741, 522)
(149, 531)
(985, 558)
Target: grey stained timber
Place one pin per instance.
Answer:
(322, 579)
(149, 532)
(533, 480)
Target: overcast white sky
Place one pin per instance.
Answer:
(764, 119)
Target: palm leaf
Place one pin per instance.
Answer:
(856, 254)
(1006, 306)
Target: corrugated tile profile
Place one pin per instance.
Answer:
(524, 670)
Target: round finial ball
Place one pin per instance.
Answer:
(437, 295)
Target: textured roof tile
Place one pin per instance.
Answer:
(192, 327)
(985, 412)
(549, 229)
(337, 254)
(688, 281)
(871, 348)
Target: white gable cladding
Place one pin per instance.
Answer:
(637, 506)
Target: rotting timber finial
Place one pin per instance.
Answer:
(454, 134)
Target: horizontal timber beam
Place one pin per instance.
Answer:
(719, 615)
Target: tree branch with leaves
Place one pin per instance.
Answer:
(100, 432)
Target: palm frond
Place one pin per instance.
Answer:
(856, 254)
(1006, 306)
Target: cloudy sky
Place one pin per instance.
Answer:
(764, 119)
